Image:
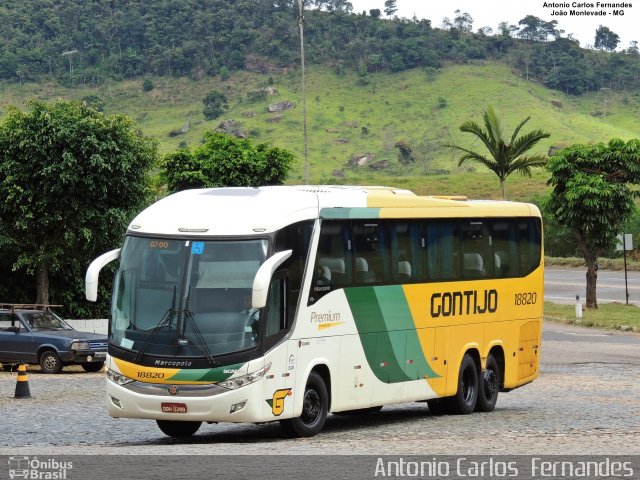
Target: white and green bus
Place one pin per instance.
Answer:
(287, 303)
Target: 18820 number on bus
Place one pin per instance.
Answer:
(526, 298)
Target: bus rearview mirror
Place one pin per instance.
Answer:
(263, 278)
(91, 278)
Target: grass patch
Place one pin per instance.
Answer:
(613, 316)
(349, 119)
(615, 264)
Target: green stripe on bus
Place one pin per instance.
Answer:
(388, 335)
(347, 213)
(212, 375)
(382, 348)
(397, 316)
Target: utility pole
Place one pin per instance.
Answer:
(304, 96)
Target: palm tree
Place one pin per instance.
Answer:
(505, 158)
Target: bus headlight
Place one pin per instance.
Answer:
(238, 382)
(118, 378)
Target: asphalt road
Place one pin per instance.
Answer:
(562, 286)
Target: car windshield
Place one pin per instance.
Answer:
(186, 298)
(44, 321)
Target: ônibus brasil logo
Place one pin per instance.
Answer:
(36, 469)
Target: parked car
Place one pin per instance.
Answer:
(36, 335)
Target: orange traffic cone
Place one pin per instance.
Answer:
(22, 385)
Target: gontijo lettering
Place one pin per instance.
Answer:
(467, 302)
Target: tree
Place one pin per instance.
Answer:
(506, 155)
(463, 22)
(633, 50)
(390, 7)
(530, 27)
(215, 104)
(226, 161)
(606, 39)
(534, 28)
(70, 178)
(592, 196)
(405, 153)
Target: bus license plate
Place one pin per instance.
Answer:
(174, 407)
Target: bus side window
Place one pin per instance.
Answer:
(277, 307)
(504, 240)
(475, 246)
(333, 258)
(297, 238)
(407, 246)
(371, 252)
(443, 245)
(529, 245)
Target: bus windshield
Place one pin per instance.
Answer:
(186, 298)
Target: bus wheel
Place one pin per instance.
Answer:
(175, 428)
(92, 367)
(315, 406)
(488, 386)
(438, 406)
(464, 401)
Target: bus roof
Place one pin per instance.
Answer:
(251, 211)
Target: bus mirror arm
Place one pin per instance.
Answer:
(263, 278)
(91, 278)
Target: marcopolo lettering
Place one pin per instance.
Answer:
(468, 302)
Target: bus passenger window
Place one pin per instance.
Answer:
(529, 243)
(372, 252)
(407, 245)
(505, 246)
(330, 270)
(475, 246)
(443, 245)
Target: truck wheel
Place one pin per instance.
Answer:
(315, 406)
(50, 362)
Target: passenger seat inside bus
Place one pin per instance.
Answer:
(363, 275)
(502, 263)
(336, 267)
(473, 265)
(323, 276)
(404, 271)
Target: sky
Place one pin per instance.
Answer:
(488, 13)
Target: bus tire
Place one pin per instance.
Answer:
(488, 386)
(464, 401)
(315, 406)
(174, 428)
(92, 367)
(438, 406)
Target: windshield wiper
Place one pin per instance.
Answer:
(166, 320)
(202, 345)
(189, 318)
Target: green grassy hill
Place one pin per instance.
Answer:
(349, 117)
